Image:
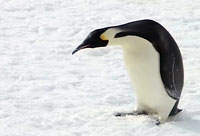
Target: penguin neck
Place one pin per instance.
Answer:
(141, 59)
(133, 45)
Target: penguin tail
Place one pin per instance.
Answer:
(175, 110)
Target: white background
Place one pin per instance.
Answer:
(45, 91)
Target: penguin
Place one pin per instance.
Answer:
(153, 61)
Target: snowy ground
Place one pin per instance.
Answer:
(45, 91)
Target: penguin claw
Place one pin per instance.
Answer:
(134, 113)
(120, 114)
(157, 122)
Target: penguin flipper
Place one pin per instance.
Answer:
(172, 75)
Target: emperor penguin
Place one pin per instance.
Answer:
(153, 61)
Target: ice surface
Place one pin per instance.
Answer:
(45, 91)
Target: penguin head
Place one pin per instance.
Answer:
(93, 40)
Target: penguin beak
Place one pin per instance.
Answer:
(80, 47)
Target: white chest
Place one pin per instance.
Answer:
(143, 65)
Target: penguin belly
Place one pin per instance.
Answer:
(143, 64)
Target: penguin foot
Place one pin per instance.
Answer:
(157, 122)
(134, 113)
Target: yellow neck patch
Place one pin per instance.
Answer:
(103, 37)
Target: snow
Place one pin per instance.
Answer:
(45, 91)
